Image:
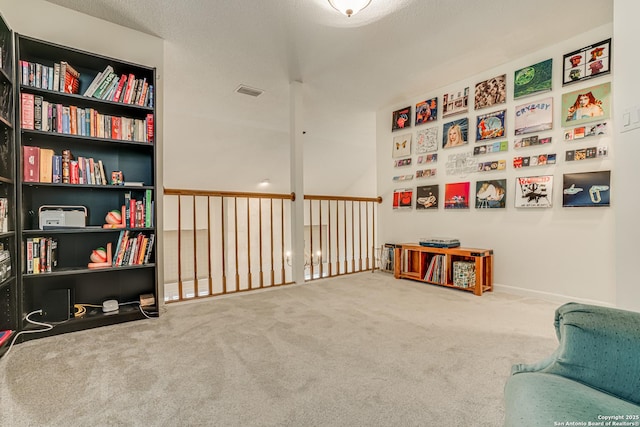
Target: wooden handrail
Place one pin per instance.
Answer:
(184, 192)
(344, 198)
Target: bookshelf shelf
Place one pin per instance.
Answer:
(460, 268)
(70, 271)
(73, 127)
(85, 100)
(7, 282)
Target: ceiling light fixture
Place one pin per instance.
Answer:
(349, 7)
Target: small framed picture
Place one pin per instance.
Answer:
(586, 189)
(586, 63)
(401, 119)
(117, 178)
(426, 111)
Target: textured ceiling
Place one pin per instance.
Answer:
(350, 67)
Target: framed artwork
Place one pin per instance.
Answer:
(455, 102)
(491, 148)
(534, 191)
(401, 119)
(586, 189)
(426, 111)
(427, 140)
(490, 126)
(429, 158)
(586, 63)
(586, 105)
(534, 116)
(427, 197)
(401, 145)
(533, 79)
(454, 134)
(491, 194)
(403, 198)
(494, 165)
(426, 173)
(456, 195)
(491, 92)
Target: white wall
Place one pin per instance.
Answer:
(626, 91)
(557, 253)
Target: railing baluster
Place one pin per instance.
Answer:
(235, 229)
(260, 236)
(209, 245)
(273, 273)
(320, 228)
(249, 286)
(180, 295)
(310, 240)
(284, 273)
(195, 248)
(329, 236)
(224, 247)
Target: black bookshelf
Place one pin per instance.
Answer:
(9, 293)
(135, 158)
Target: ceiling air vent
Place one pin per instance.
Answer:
(248, 90)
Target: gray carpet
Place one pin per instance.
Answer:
(360, 350)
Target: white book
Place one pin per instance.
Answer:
(56, 77)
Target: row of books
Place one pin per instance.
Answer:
(38, 114)
(125, 88)
(437, 270)
(133, 249)
(138, 213)
(42, 255)
(43, 165)
(61, 77)
(4, 214)
(5, 264)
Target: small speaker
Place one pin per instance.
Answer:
(56, 306)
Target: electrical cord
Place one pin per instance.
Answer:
(46, 327)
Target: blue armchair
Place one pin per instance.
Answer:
(593, 378)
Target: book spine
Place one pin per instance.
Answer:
(29, 268)
(31, 163)
(36, 255)
(147, 207)
(119, 90)
(27, 111)
(63, 73)
(115, 254)
(56, 175)
(104, 86)
(132, 213)
(93, 85)
(103, 177)
(66, 160)
(56, 77)
(37, 112)
(147, 256)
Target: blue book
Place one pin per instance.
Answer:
(56, 176)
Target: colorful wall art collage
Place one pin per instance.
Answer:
(437, 140)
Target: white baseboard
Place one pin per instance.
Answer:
(547, 296)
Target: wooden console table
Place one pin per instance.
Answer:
(436, 266)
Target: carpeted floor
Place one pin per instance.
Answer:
(360, 350)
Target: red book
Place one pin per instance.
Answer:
(31, 163)
(132, 213)
(74, 176)
(4, 336)
(127, 93)
(149, 128)
(120, 88)
(27, 114)
(116, 129)
(59, 117)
